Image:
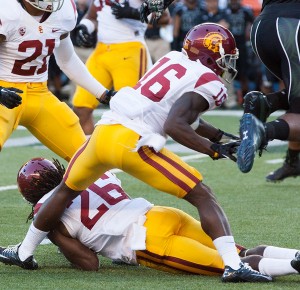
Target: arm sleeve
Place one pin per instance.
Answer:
(74, 68)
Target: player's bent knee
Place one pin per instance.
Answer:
(199, 193)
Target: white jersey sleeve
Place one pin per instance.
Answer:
(106, 220)
(112, 30)
(25, 53)
(145, 107)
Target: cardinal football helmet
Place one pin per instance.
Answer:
(214, 46)
(37, 177)
(49, 6)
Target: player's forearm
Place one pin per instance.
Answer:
(75, 69)
(183, 133)
(91, 13)
(76, 253)
(208, 131)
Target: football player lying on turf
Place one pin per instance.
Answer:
(105, 220)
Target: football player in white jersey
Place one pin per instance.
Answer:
(30, 31)
(131, 136)
(104, 220)
(120, 58)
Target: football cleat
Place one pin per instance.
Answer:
(295, 263)
(244, 274)
(256, 103)
(10, 256)
(252, 135)
(290, 168)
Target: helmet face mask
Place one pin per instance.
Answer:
(48, 6)
(227, 62)
(214, 46)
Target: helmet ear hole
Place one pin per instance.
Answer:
(209, 61)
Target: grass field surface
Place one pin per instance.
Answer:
(259, 213)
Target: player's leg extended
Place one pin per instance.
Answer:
(168, 247)
(127, 63)
(162, 170)
(84, 102)
(166, 171)
(9, 118)
(112, 146)
(52, 121)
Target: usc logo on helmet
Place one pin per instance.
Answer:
(212, 41)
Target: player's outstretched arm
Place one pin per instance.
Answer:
(74, 68)
(76, 253)
(214, 134)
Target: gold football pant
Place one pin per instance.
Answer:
(48, 119)
(176, 242)
(114, 66)
(112, 146)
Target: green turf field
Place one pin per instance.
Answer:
(259, 212)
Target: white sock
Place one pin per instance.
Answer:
(276, 267)
(279, 253)
(226, 247)
(33, 238)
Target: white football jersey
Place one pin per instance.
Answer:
(145, 107)
(112, 30)
(24, 55)
(106, 220)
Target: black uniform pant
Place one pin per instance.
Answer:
(275, 39)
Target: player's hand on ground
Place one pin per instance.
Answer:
(226, 150)
(9, 97)
(82, 38)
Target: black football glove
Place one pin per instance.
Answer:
(82, 38)
(124, 11)
(225, 150)
(156, 7)
(106, 96)
(9, 97)
(227, 137)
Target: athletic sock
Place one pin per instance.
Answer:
(293, 156)
(226, 247)
(279, 253)
(276, 267)
(278, 129)
(33, 238)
